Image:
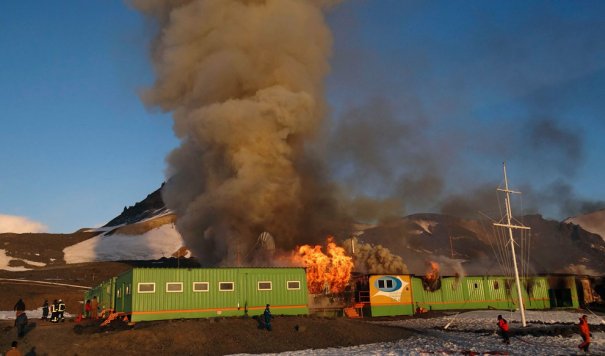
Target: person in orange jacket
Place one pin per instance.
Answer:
(13, 351)
(503, 326)
(585, 333)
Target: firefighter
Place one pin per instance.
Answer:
(585, 333)
(54, 314)
(60, 310)
(45, 310)
(503, 326)
(267, 315)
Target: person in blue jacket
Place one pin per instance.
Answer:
(267, 315)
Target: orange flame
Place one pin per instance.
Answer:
(433, 274)
(330, 271)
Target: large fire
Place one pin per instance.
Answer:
(431, 281)
(325, 272)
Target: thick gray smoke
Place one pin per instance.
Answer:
(374, 259)
(425, 117)
(244, 80)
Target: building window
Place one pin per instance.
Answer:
(127, 289)
(382, 283)
(226, 286)
(118, 294)
(174, 287)
(476, 286)
(496, 285)
(265, 285)
(293, 285)
(201, 286)
(108, 289)
(146, 288)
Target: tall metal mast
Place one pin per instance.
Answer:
(511, 241)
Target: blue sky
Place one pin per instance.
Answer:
(479, 82)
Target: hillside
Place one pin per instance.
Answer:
(146, 231)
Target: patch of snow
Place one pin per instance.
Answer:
(426, 225)
(31, 314)
(154, 244)
(5, 260)
(592, 222)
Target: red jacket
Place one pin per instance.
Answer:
(584, 330)
(503, 325)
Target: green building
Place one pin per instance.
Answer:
(480, 292)
(404, 294)
(105, 293)
(173, 293)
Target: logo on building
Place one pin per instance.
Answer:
(390, 287)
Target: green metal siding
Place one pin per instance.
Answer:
(244, 299)
(479, 293)
(106, 294)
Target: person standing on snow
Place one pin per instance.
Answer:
(503, 326)
(60, 310)
(53, 312)
(267, 315)
(45, 310)
(585, 333)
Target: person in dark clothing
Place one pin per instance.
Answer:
(45, 310)
(267, 316)
(503, 326)
(21, 323)
(585, 333)
(19, 307)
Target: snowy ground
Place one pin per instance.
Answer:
(5, 260)
(433, 339)
(31, 314)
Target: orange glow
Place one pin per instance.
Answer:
(330, 271)
(433, 274)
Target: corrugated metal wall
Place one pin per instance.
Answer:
(244, 298)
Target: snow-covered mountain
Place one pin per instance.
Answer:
(592, 222)
(146, 231)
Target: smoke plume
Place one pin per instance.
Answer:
(374, 259)
(243, 79)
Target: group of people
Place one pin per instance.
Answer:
(56, 310)
(91, 308)
(582, 325)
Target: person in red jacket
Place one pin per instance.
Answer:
(585, 333)
(503, 326)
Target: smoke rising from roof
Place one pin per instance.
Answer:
(244, 80)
